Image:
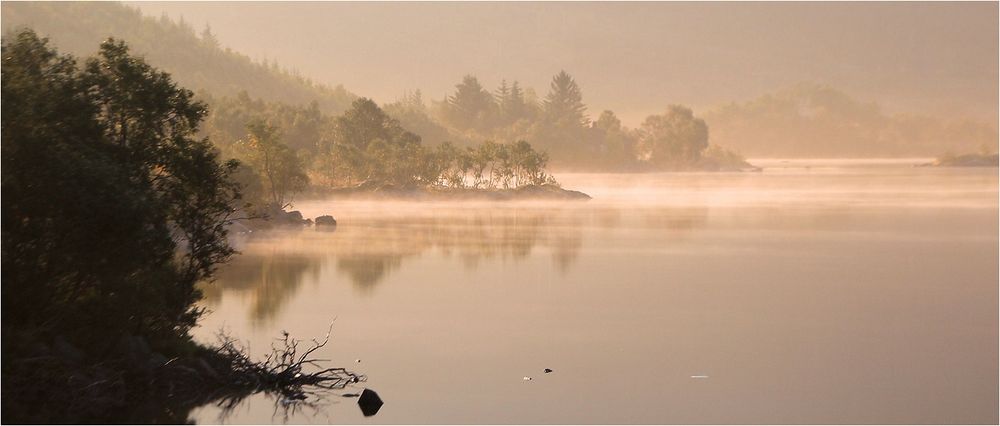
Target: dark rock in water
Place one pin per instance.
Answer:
(547, 370)
(369, 402)
(293, 216)
(326, 221)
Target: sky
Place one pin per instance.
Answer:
(632, 58)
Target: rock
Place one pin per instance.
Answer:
(293, 216)
(547, 370)
(326, 220)
(369, 402)
(526, 378)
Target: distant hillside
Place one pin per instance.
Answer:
(810, 120)
(195, 59)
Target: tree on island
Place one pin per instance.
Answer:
(674, 139)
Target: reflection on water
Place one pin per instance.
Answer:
(268, 278)
(274, 264)
(813, 292)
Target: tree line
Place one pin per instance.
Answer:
(284, 149)
(560, 124)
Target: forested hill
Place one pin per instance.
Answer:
(193, 57)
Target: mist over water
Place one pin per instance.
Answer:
(815, 291)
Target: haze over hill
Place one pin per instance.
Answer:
(196, 59)
(634, 58)
(781, 80)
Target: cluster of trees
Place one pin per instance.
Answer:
(113, 208)
(560, 125)
(239, 90)
(368, 147)
(282, 149)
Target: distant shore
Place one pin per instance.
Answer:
(527, 192)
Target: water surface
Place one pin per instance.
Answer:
(820, 291)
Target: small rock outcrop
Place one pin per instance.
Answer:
(325, 220)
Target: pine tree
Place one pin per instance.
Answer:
(471, 106)
(564, 103)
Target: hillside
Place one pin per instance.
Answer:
(809, 120)
(194, 58)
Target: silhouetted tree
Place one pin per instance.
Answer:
(112, 209)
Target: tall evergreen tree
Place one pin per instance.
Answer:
(564, 103)
(472, 106)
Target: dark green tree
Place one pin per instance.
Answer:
(113, 210)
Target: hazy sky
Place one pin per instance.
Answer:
(633, 58)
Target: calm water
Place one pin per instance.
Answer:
(813, 292)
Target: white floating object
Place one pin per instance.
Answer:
(699, 377)
(526, 378)
(357, 360)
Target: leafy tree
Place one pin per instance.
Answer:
(281, 169)
(674, 139)
(113, 210)
(368, 146)
(617, 143)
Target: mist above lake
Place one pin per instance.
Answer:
(821, 291)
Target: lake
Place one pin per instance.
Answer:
(815, 291)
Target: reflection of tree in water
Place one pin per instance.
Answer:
(270, 279)
(367, 249)
(366, 270)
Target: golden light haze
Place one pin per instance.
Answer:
(633, 58)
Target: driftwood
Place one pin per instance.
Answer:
(285, 370)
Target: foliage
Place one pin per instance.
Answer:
(674, 139)
(471, 107)
(369, 147)
(281, 171)
(113, 210)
